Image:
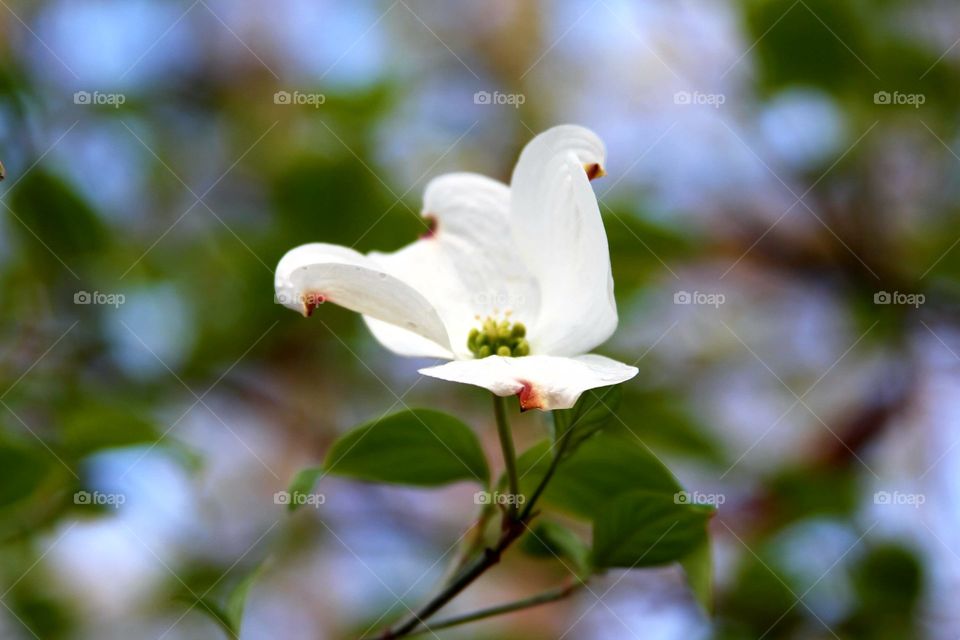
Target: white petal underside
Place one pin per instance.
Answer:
(542, 382)
(405, 343)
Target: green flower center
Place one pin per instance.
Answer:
(498, 338)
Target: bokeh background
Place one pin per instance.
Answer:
(787, 168)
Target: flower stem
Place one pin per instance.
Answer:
(509, 453)
(558, 593)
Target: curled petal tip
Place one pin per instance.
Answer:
(594, 170)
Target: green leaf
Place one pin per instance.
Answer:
(229, 617)
(553, 540)
(698, 567)
(662, 419)
(419, 447)
(601, 469)
(643, 529)
(592, 412)
(215, 612)
(237, 601)
(24, 470)
(55, 213)
(301, 485)
(97, 426)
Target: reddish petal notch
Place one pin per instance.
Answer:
(529, 398)
(431, 226)
(594, 171)
(311, 301)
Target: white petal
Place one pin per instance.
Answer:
(405, 343)
(314, 273)
(558, 229)
(542, 382)
(468, 266)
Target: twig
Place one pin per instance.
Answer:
(491, 556)
(552, 595)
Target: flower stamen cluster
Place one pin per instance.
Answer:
(501, 338)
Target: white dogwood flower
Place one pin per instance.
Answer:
(513, 284)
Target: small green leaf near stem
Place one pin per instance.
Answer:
(559, 450)
(475, 542)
